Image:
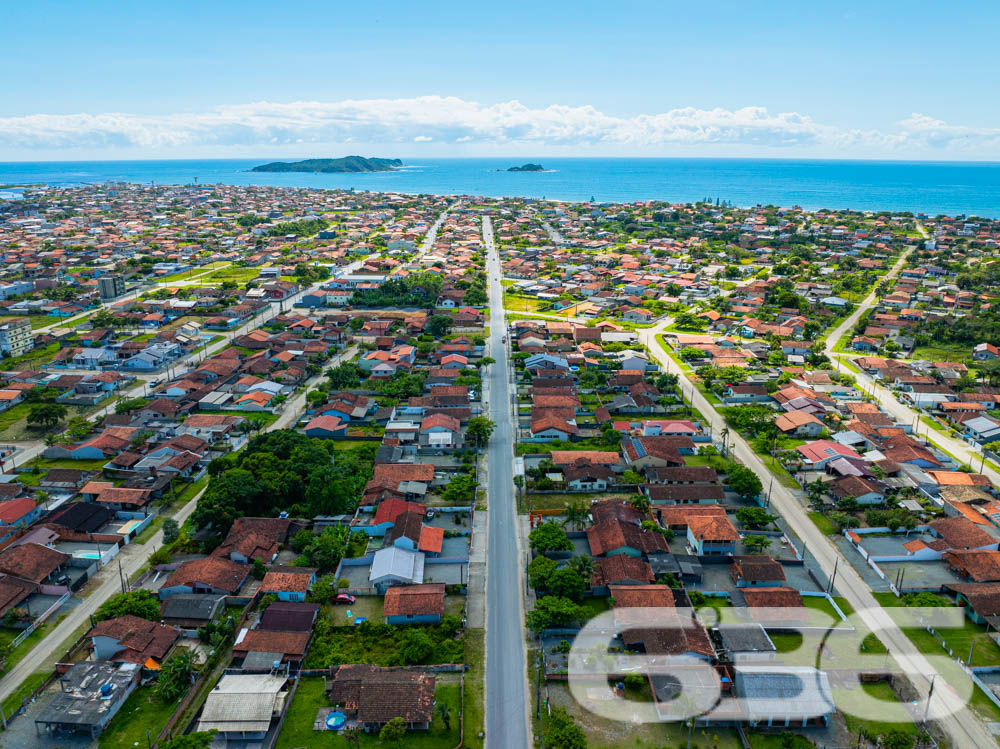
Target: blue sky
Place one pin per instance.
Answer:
(183, 79)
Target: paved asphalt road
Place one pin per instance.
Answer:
(506, 693)
(903, 413)
(962, 726)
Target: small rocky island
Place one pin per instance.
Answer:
(527, 168)
(348, 164)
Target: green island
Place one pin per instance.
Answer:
(348, 164)
(527, 168)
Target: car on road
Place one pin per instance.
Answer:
(344, 598)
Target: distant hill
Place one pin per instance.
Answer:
(346, 164)
(527, 168)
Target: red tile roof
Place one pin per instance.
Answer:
(415, 600)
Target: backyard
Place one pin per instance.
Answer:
(297, 731)
(142, 714)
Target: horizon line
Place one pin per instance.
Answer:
(981, 162)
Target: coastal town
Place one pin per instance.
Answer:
(288, 467)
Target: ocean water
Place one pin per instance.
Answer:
(929, 187)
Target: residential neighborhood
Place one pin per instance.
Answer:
(283, 466)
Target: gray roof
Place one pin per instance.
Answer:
(795, 692)
(241, 702)
(397, 563)
(259, 661)
(80, 702)
(191, 606)
(745, 638)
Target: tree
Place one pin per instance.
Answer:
(439, 325)
(540, 569)
(669, 579)
(552, 611)
(640, 502)
(460, 490)
(416, 646)
(756, 544)
(816, 489)
(259, 570)
(346, 375)
(130, 404)
(754, 517)
(393, 732)
(744, 482)
(78, 427)
(563, 732)
(576, 516)
(139, 603)
(324, 589)
(46, 414)
(479, 430)
(567, 583)
(631, 477)
(171, 530)
(549, 537)
(175, 675)
(583, 565)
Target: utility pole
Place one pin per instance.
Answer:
(833, 577)
(930, 693)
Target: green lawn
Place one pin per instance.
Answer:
(297, 731)
(142, 713)
(786, 642)
(29, 685)
(947, 352)
(149, 530)
(896, 717)
(475, 698)
(32, 359)
(821, 604)
(84, 465)
(783, 740)
(25, 646)
(823, 523)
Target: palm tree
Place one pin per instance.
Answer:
(576, 515)
(640, 502)
(583, 566)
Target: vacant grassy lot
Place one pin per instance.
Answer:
(141, 713)
(896, 717)
(561, 501)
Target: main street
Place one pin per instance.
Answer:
(506, 693)
(962, 727)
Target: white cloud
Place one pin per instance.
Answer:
(450, 120)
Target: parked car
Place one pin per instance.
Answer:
(344, 598)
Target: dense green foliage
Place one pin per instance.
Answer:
(416, 290)
(303, 228)
(283, 470)
(139, 603)
(384, 644)
(549, 537)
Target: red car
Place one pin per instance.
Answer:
(344, 598)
